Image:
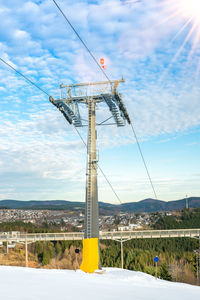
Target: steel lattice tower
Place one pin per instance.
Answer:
(91, 211)
(71, 97)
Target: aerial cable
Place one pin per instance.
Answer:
(79, 37)
(25, 77)
(43, 91)
(95, 60)
(144, 162)
(109, 183)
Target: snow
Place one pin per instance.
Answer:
(18, 283)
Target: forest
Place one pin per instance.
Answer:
(187, 218)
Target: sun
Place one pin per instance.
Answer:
(186, 14)
(183, 9)
(188, 9)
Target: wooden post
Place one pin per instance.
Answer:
(156, 270)
(197, 263)
(122, 255)
(76, 262)
(26, 253)
(199, 256)
(7, 249)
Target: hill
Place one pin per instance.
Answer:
(115, 284)
(147, 205)
(152, 205)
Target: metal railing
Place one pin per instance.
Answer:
(113, 235)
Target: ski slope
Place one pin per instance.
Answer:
(18, 283)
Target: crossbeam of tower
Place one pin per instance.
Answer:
(90, 94)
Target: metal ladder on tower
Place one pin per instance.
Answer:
(89, 181)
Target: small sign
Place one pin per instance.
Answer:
(156, 259)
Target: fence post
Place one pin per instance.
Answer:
(26, 252)
(122, 255)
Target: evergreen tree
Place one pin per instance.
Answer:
(45, 259)
(164, 272)
(58, 248)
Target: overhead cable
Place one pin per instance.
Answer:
(110, 184)
(25, 77)
(112, 188)
(95, 60)
(43, 91)
(144, 162)
(79, 37)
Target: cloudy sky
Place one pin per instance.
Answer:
(153, 44)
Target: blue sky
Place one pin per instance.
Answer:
(41, 156)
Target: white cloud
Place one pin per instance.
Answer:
(35, 39)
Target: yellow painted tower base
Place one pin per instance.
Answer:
(90, 261)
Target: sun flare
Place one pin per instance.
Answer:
(186, 14)
(189, 9)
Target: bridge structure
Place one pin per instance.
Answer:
(12, 238)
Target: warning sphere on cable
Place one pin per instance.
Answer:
(102, 61)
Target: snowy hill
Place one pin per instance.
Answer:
(40, 284)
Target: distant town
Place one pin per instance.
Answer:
(118, 222)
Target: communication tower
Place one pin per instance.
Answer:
(91, 94)
(186, 202)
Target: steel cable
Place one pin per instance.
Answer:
(95, 60)
(144, 162)
(25, 77)
(43, 91)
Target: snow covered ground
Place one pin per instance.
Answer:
(18, 283)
